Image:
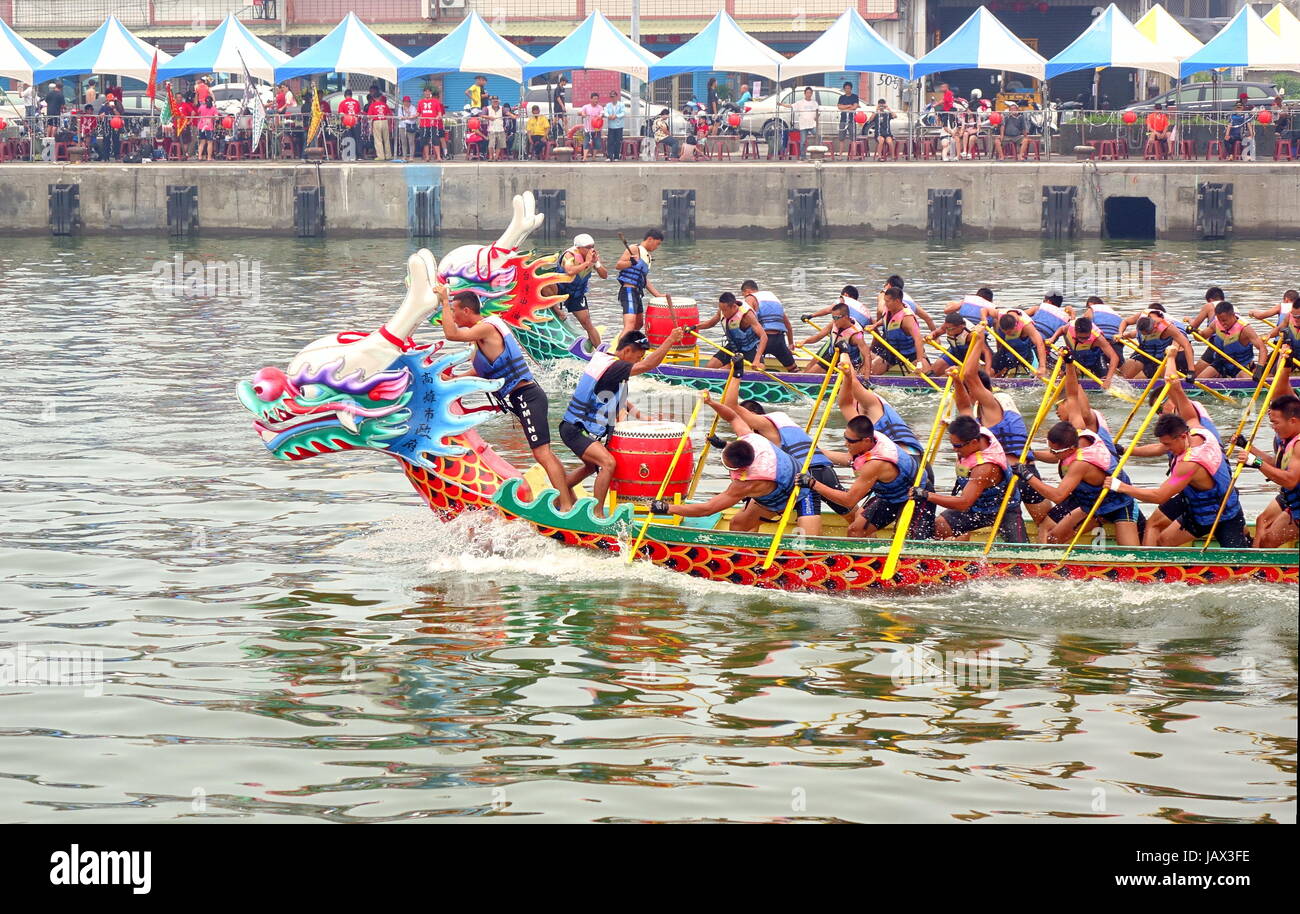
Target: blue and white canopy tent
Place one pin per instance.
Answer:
(350, 48)
(595, 45)
(982, 43)
(850, 45)
(226, 50)
(722, 46)
(1246, 41)
(110, 50)
(18, 56)
(1112, 41)
(471, 46)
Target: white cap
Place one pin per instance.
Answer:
(583, 241)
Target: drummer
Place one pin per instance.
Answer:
(497, 354)
(578, 263)
(742, 331)
(599, 398)
(634, 279)
(776, 323)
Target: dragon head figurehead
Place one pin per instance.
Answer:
(378, 390)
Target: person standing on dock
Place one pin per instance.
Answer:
(498, 355)
(634, 279)
(380, 127)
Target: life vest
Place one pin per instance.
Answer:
(1087, 350)
(1291, 335)
(1104, 459)
(1011, 432)
(635, 273)
(857, 312)
(1049, 319)
(1107, 320)
(795, 441)
(991, 498)
(888, 451)
(897, 430)
(597, 417)
(1231, 343)
(510, 366)
(739, 338)
(1017, 340)
(846, 336)
(771, 464)
(899, 336)
(956, 346)
(1207, 423)
(1288, 451)
(576, 286)
(771, 313)
(1203, 504)
(1103, 431)
(972, 308)
(1155, 344)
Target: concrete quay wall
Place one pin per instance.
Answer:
(740, 198)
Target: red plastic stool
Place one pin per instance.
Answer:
(1283, 149)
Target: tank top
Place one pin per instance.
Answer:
(886, 450)
(795, 441)
(771, 464)
(739, 338)
(510, 365)
(576, 286)
(1287, 453)
(1105, 460)
(771, 313)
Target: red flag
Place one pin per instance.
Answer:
(152, 90)
(178, 120)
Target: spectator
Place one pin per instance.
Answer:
(475, 138)
(1172, 111)
(947, 105)
(477, 93)
(496, 130)
(537, 127)
(745, 97)
(969, 126)
(591, 138)
(430, 112)
(882, 122)
(201, 89)
(29, 99)
(113, 108)
(290, 102)
(1013, 128)
(87, 127)
(663, 133)
(805, 113)
(511, 121)
(207, 124)
(90, 94)
(848, 105)
(712, 103)
(406, 129)
(380, 118)
(54, 103)
(1234, 133)
(350, 107)
(559, 109)
(1284, 121)
(692, 149)
(1158, 130)
(615, 111)
(949, 140)
(185, 108)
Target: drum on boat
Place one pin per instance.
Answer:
(642, 454)
(659, 320)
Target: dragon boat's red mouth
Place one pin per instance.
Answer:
(283, 420)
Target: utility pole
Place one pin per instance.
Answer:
(634, 88)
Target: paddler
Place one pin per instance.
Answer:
(762, 476)
(497, 354)
(1279, 523)
(857, 310)
(897, 282)
(776, 323)
(1288, 327)
(982, 479)
(1089, 348)
(884, 475)
(1237, 341)
(1105, 318)
(1050, 315)
(955, 338)
(578, 263)
(900, 330)
(1213, 295)
(1290, 299)
(599, 398)
(742, 332)
(1190, 497)
(1154, 332)
(975, 308)
(1018, 331)
(843, 333)
(634, 279)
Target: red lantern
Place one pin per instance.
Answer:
(115, 122)
(227, 122)
(3, 123)
(1043, 7)
(734, 120)
(1129, 117)
(995, 118)
(1266, 117)
(597, 123)
(859, 117)
(473, 124)
(349, 120)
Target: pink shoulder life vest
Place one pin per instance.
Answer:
(763, 469)
(991, 453)
(884, 449)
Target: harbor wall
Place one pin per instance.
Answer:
(741, 198)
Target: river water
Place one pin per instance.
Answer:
(293, 642)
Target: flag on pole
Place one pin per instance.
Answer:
(166, 117)
(178, 120)
(152, 89)
(252, 101)
(316, 115)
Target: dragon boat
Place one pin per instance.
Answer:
(381, 390)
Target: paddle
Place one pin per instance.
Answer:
(905, 516)
(1240, 366)
(807, 462)
(1146, 391)
(1250, 404)
(1150, 358)
(713, 430)
(663, 486)
(1049, 397)
(812, 416)
(1009, 348)
(761, 371)
(1241, 465)
(904, 360)
(1100, 383)
(1101, 496)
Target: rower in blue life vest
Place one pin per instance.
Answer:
(1279, 523)
(1154, 332)
(982, 478)
(1213, 295)
(861, 316)
(975, 308)
(954, 335)
(776, 323)
(896, 282)
(1050, 315)
(1089, 348)
(1288, 325)
(1238, 344)
(634, 279)
(1017, 332)
(578, 263)
(600, 396)
(884, 473)
(1105, 318)
(900, 330)
(497, 354)
(742, 333)
(843, 334)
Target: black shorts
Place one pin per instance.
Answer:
(1028, 495)
(529, 405)
(629, 300)
(1004, 362)
(810, 503)
(780, 350)
(880, 513)
(1149, 367)
(1061, 511)
(575, 303)
(577, 439)
(1230, 534)
(1225, 368)
(968, 521)
(890, 359)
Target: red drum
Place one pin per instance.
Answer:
(659, 320)
(642, 452)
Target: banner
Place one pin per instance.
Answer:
(316, 115)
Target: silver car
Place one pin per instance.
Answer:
(764, 116)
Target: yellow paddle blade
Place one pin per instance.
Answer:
(896, 547)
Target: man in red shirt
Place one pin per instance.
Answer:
(947, 115)
(381, 114)
(430, 111)
(187, 111)
(350, 106)
(201, 90)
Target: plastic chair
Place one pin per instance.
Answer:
(234, 151)
(1153, 150)
(749, 148)
(1283, 149)
(1107, 149)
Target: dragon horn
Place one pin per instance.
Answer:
(421, 299)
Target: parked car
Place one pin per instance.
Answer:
(540, 96)
(1220, 96)
(228, 96)
(766, 115)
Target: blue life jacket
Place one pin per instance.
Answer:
(896, 490)
(897, 430)
(739, 338)
(1012, 432)
(898, 336)
(1104, 434)
(594, 414)
(972, 308)
(576, 286)
(859, 314)
(990, 499)
(795, 441)
(1023, 345)
(785, 473)
(771, 313)
(1049, 321)
(636, 273)
(1291, 336)
(1154, 344)
(1107, 321)
(1285, 454)
(1086, 493)
(510, 365)
(1204, 505)
(1207, 423)
(1232, 344)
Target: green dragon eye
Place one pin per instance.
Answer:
(314, 392)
